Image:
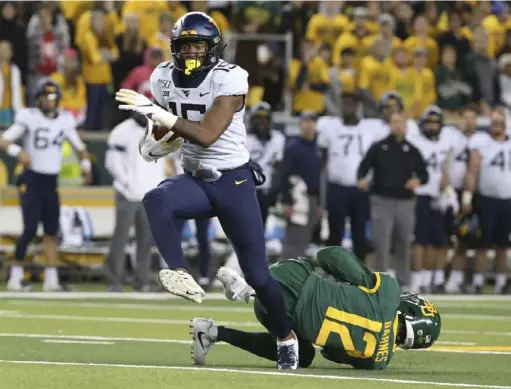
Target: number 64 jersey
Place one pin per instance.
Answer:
(190, 98)
(43, 137)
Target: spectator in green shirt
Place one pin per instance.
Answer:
(452, 92)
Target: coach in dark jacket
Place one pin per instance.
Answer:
(397, 170)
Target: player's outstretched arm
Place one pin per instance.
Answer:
(215, 121)
(474, 163)
(14, 132)
(345, 267)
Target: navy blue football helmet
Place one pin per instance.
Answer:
(51, 91)
(195, 27)
(389, 103)
(431, 122)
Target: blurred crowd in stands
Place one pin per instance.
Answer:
(451, 53)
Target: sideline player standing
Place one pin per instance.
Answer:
(344, 141)
(206, 99)
(428, 251)
(266, 147)
(43, 130)
(489, 170)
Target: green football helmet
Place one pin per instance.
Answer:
(419, 322)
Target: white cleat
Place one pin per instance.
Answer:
(18, 286)
(235, 286)
(204, 333)
(181, 284)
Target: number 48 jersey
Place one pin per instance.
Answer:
(192, 98)
(43, 137)
(495, 171)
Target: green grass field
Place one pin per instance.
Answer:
(97, 341)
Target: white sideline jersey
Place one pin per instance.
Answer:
(495, 172)
(346, 147)
(266, 153)
(224, 79)
(382, 129)
(460, 152)
(43, 137)
(435, 155)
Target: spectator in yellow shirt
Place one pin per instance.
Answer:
(407, 82)
(98, 51)
(308, 80)
(344, 79)
(161, 39)
(217, 16)
(353, 38)
(10, 86)
(373, 17)
(375, 75)
(328, 24)
(84, 23)
(386, 33)
(420, 38)
(149, 14)
(72, 85)
(428, 96)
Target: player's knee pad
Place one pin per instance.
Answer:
(153, 201)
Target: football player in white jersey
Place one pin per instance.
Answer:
(391, 102)
(201, 98)
(344, 142)
(266, 147)
(430, 234)
(489, 170)
(43, 129)
(463, 226)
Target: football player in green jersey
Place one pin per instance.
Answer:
(358, 319)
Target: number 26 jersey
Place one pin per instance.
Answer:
(193, 98)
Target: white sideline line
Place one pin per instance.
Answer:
(19, 315)
(143, 340)
(487, 333)
(111, 305)
(209, 296)
(255, 372)
(96, 338)
(193, 308)
(64, 341)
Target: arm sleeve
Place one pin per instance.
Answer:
(323, 133)
(115, 154)
(73, 137)
(420, 167)
(19, 127)
(345, 267)
(156, 87)
(367, 162)
(233, 82)
(285, 173)
(14, 132)
(92, 49)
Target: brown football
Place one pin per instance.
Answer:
(159, 131)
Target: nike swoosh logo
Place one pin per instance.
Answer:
(199, 335)
(239, 182)
(203, 94)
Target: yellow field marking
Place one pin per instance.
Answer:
(473, 348)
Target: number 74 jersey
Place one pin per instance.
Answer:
(190, 98)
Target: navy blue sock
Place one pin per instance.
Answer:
(270, 296)
(166, 231)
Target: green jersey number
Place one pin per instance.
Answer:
(336, 321)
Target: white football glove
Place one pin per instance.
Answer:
(152, 149)
(137, 102)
